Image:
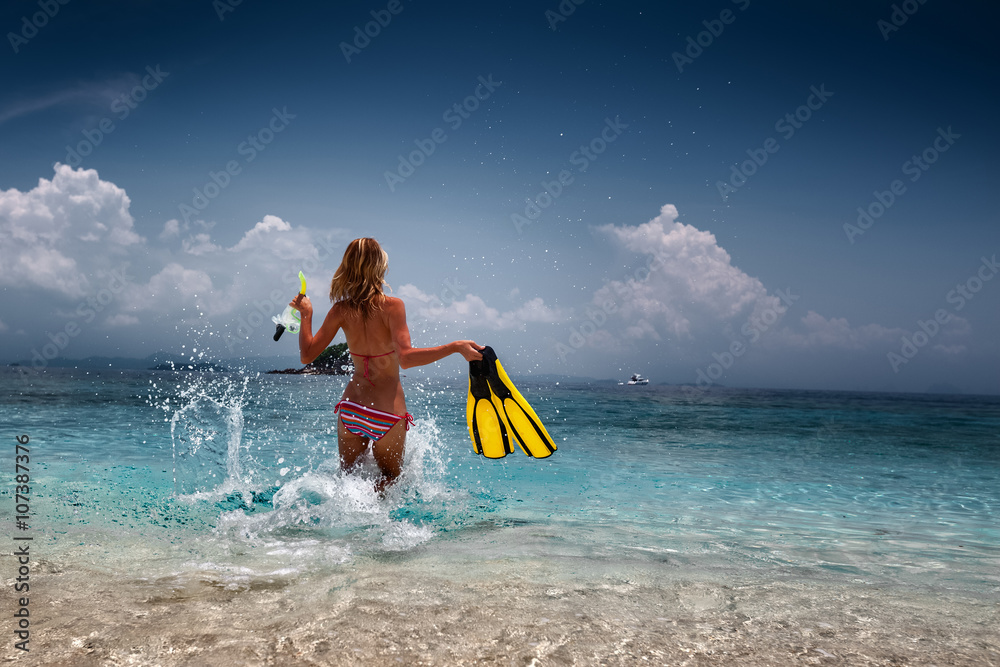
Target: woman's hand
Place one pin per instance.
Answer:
(302, 304)
(468, 349)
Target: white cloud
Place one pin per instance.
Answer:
(62, 232)
(3, 327)
(70, 240)
(171, 289)
(686, 290)
(65, 235)
(473, 310)
(171, 228)
(818, 331)
(122, 320)
(268, 239)
(273, 237)
(199, 244)
(685, 287)
(261, 233)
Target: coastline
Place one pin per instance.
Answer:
(507, 610)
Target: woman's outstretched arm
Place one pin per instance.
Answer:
(410, 356)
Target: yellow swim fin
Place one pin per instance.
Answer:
(487, 427)
(510, 411)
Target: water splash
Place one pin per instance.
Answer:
(327, 502)
(206, 437)
(206, 434)
(263, 450)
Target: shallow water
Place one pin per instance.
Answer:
(733, 526)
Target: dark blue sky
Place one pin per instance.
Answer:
(344, 125)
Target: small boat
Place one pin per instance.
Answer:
(638, 379)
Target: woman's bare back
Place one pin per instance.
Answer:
(376, 363)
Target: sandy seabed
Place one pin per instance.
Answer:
(401, 610)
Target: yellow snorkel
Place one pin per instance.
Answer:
(289, 318)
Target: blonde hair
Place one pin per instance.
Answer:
(360, 276)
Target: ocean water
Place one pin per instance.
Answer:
(201, 518)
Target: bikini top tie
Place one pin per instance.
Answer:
(366, 357)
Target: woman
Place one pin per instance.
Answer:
(373, 408)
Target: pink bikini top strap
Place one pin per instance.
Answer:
(366, 357)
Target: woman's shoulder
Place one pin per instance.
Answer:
(393, 303)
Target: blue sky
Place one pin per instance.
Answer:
(635, 263)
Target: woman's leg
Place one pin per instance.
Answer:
(388, 452)
(351, 446)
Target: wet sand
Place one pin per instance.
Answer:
(409, 610)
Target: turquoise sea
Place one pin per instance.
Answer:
(201, 519)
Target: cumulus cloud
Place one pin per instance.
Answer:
(261, 233)
(62, 232)
(171, 288)
(74, 237)
(199, 244)
(229, 280)
(269, 239)
(171, 228)
(687, 284)
(70, 240)
(473, 310)
(687, 290)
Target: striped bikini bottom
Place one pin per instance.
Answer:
(368, 422)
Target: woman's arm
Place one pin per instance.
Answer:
(311, 346)
(410, 356)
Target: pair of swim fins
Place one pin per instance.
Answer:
(498, 415)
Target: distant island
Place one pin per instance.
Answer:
(334, 360)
